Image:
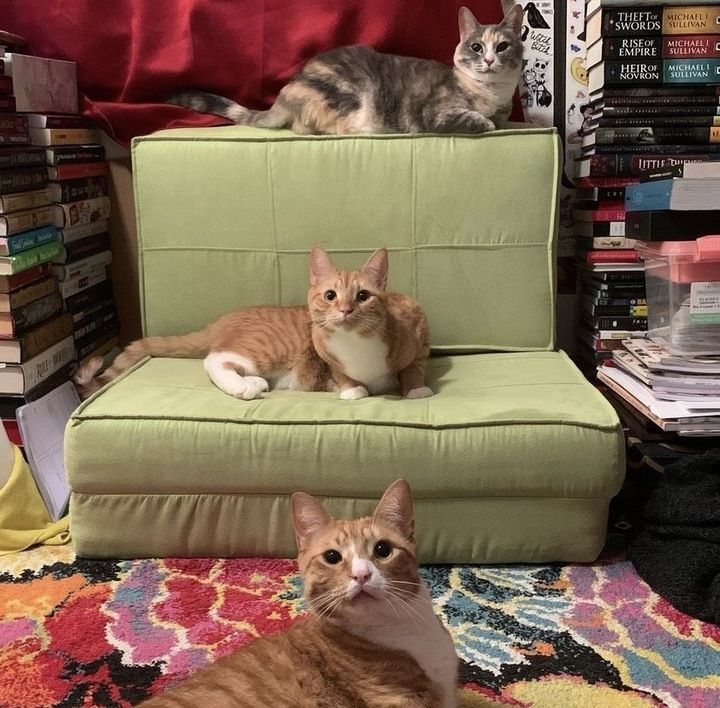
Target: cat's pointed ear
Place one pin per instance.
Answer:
(320, 265)
(309, 517)
(513, 19)
(467, 23)
(395, 509)
(376, 268)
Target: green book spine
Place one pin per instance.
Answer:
(34, 256)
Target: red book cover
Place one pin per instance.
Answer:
(619, 255)
(78, 169)
(599, 214)
(590, 182)
(5, 84)
(10, 283)
(689, 46)
(13, 431)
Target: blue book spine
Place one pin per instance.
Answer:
(691, 71)
(648, 196)
(24, 240)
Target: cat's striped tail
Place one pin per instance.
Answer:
(187, 346)
(275, 117)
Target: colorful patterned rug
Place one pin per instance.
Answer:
(106, 633)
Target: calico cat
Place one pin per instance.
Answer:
(358, 90)
(353, 336)
(371, 638)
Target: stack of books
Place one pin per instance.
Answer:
(654, 84)
(56, 302)
(677, 394)
(79, 191)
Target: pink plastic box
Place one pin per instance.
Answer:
(683, 293)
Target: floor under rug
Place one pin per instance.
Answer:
(111, 633)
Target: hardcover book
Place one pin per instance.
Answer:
(27, 259)
(22, 157)
(653, 135)
(74, 286)
(73, 190)
(27, 219)
(18, 379)
(632, 164)
(86, 211)
(71, 154)
(25, 240)
(24, 200)
(11, 283)
(76, 233)
(668, 225)
(653, 72)
(648, 112)
(29, 293)
(36, 340)
(600, 229)
(76, 170)
(27, 316)
(63, 136)
(57, 120)
(83, 267)
(22, 179)
(10, 404)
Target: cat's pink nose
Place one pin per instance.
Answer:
(361, 576)
(489, 61)
(347, 309)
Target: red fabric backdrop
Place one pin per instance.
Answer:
(132, 54)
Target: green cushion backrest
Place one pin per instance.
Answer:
(227, 216)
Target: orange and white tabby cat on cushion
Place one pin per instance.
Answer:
(371, 639)
(353, 336)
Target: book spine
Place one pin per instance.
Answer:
(658, 135)
(22, 180)
(102, 321)
(688, 46)
(24, 220)
(71, 287)
(620, 302)
(52, 121)
(631, 21)
(5, 81)
(609, 242)
(624, 323)
(85, 298)
(36, 312)
(684, 71)
(24, 200)
(63, 136)
(82, 212)
(668, 224)
(613, 256)
(83, 267)
(80, 232)
(93, 309)
(35, 256)
(78, 189)
(21, 157)
(78, 250)
(14, 139)
(13, 124)
(712, 150)
(72, 170)
(7, 103)
(619, 311)
(691, 19)
(648, 112)
(69, 154)
(651, 122)
(599, 214)
(661, 71)
(29, 293)
(637, 164)
(45, 336)
(632, 47)
(48, 362)
(27, 239)
(94, 340)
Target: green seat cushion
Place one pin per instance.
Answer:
(512, 449)
(227, 217)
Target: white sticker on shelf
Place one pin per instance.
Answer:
(705, 303)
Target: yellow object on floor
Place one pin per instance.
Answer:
(24, 519)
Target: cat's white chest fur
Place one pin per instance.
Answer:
(363, 359)
(421, 635)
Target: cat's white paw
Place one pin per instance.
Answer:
(352, 394)
(420, 392)
(254, 386)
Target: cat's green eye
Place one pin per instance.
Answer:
(383, 549)
(363, 295)
(332, 556)
(477, 48)
(330, 295)
(502, 46)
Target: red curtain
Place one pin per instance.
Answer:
(132, 54)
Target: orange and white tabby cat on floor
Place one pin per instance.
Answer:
(371, 638)
(353, 336)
